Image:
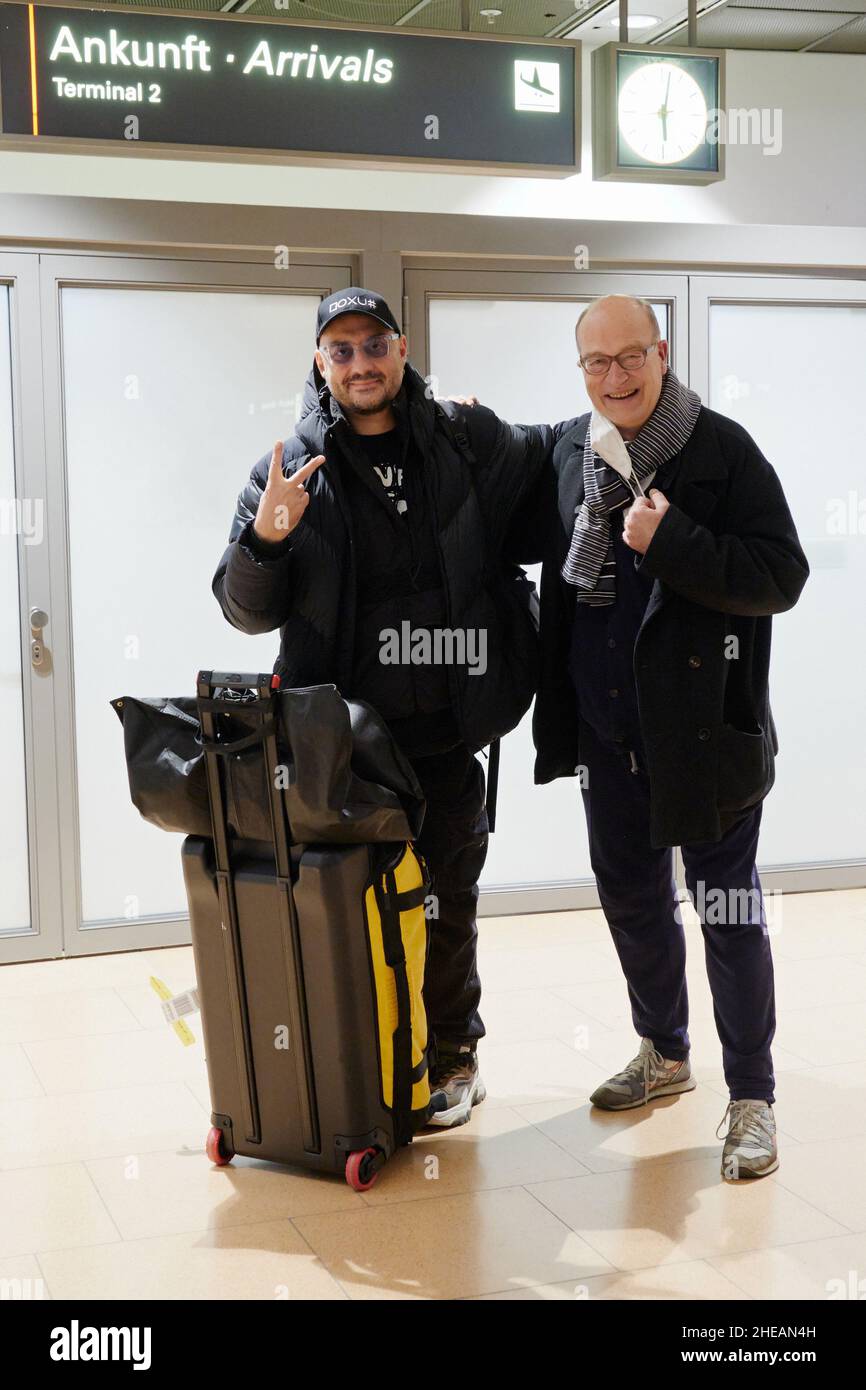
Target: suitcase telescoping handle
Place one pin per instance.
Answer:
(261, 682)
(208, 707)
(224, 692)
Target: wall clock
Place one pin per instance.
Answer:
(653, 113)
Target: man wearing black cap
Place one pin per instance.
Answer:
(387, 514)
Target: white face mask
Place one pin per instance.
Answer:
(609, 444)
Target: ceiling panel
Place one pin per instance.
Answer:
(211, 6)
(735, 27)
(851, 39)
(532, 18)
(439, 14)
(843, 8)
(827, 26)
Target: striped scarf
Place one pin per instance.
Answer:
(613, 474)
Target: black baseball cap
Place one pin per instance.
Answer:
(354, 301)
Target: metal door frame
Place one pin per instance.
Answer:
(59, 270)
(19, 270)
(705, 291)
(421, 286)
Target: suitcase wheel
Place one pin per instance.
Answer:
(216, 1148)
(360, 1172)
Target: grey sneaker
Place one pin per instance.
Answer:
(455, 1086)
(750, 1145)
(647, 1076)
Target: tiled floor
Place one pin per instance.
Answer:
(105, 1189)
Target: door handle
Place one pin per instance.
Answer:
(38, 620)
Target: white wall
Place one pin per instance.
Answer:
(816, 180)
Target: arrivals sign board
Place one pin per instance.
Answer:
(151, 79)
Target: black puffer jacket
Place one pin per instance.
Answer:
(473, 493)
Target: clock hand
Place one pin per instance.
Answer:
(665, 109)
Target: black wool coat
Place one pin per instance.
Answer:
(724, 559)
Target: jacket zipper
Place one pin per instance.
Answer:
(453, 687)
(351, 583)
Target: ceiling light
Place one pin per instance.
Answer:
(637, 21)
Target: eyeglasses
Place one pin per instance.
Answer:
(341, 353)
(597, 364)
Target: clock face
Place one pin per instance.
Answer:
(662, 113)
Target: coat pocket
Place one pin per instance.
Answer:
(746, 767)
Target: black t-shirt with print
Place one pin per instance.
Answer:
(384, 453)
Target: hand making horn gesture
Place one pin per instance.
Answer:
(284, 500)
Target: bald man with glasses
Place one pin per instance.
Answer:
(667, 547)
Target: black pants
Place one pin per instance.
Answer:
(453, 841)
(638, 894)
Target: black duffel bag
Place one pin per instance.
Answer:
(345, 779)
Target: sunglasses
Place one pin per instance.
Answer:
(339, 354)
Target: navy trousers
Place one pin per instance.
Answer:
(637, 889)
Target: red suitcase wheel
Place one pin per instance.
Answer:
(358, 1172)
(215, 1148)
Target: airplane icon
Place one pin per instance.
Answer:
(536, 85)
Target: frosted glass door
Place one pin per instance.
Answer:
(518, 356)
(20, 522)
(790, 373)
(170, 396)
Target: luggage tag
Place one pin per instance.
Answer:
(176, 1006)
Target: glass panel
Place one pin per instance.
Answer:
(536, 379)
(18, 517)
(793, 404)
(170, 398)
